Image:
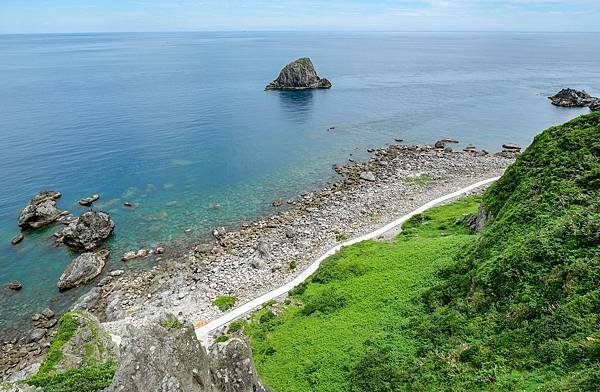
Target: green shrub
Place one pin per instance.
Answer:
(293, 265)
(236, 326)
(339, 236)
(299, 290)
(224, 302)
(222, 338)
(326, 301)
(171, 322)
(87, 379)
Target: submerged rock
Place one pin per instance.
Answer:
(16, 239)
(569, 97)
(88, 201)
(88, 231)
(83, 269)
(298, 75)
(14, 285)
(41, 211)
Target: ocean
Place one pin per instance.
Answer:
(179, 124)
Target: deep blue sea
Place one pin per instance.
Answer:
(179, 123)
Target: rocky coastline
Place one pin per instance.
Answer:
(246, 261)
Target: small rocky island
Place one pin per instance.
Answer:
(298, 75)
(570, 98)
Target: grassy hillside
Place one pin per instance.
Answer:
(514, 308)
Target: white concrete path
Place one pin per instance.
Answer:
(204, 331)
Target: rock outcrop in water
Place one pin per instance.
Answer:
(88, 231)
(569, 97)
(298, 75)
(83, 269)
(595, 106)
(41, 211)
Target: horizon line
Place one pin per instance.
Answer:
(302, 31)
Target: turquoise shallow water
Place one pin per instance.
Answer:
(177, 123)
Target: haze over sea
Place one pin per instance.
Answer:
(179, 124)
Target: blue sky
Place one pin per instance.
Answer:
(22, 16)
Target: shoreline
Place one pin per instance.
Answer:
(250, 261)
(255, 257)
(203, 333)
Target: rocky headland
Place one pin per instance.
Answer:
(299, 75)
(569, 98)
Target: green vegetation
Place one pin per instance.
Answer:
(293, 265)
(237, 325)
(421, 180)
(514, 308)
(222, 338)
(171, 322)
(339, 236)
(86, 379)
(67, 325)
(356, 294)
(93, 374)
(224, 302)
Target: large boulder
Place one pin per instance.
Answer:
(232, 368)
(569, 97)
(41, 211)
(298, 75)
(83, 269)
(88, 231)
(157, 359)
(595, 106)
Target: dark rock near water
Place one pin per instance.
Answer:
(569, 97)
(82, 270)
(16, 239)
(48, 313)
(595, 106)
(470, 148)
(14, 285)
(88, 201)
(511, 146)
(88, 231)
(298, 75)
(41, 211)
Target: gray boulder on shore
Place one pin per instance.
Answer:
(41, 211)
(595, 106)
(88, 231)
(569, 98)
(83, 269)
(298, 75)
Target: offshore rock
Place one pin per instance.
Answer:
(595, 106)
(41, 211)
(569, 98)
(83, 269)
(298, 75)
(88, 231)
(88, 201)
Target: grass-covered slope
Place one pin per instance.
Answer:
(514, 308)
(356, 296)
